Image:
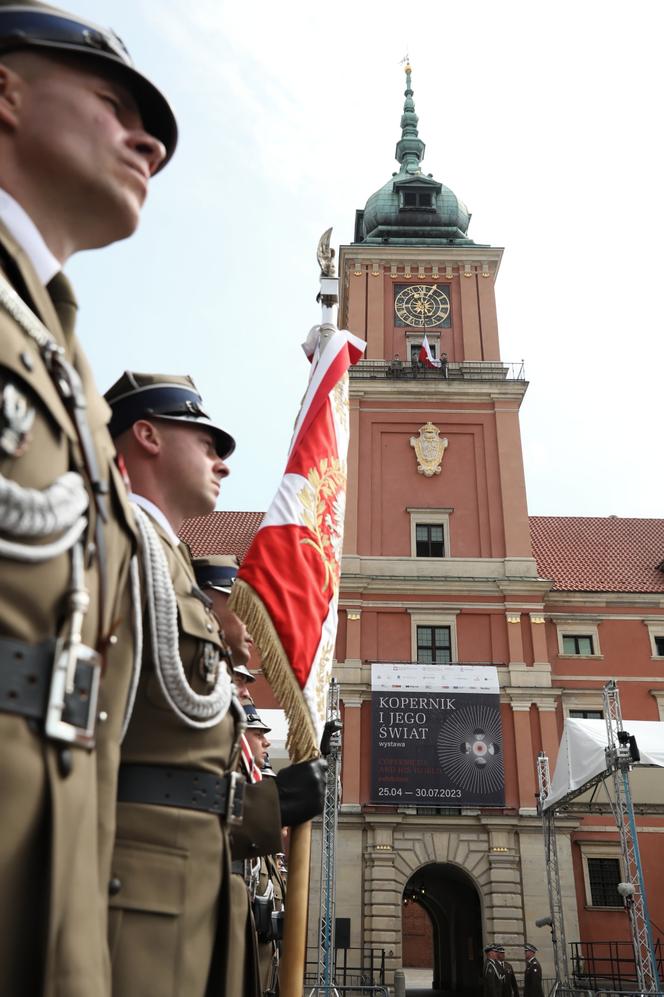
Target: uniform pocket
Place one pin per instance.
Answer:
(147, 898)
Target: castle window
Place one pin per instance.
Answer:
(434, 645)
(429, 540)
(416, 200)
(587, 714)
(578, 644)
(603, 879)
(578, 638)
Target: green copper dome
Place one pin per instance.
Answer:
(412, 208)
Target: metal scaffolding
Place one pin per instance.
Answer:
(552, 873)
(328, 848)
(621, 754)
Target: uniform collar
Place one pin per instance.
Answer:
(19, 224)
(156, 513)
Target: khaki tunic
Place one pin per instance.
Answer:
(269, 874)
(51, 909)
(170, 920)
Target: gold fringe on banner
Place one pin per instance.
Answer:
(249, 606)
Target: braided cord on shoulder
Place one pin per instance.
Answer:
(195, 710)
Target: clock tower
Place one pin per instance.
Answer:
(438, 569)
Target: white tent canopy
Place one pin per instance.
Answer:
(582, 757)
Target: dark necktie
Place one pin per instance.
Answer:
(64, 301)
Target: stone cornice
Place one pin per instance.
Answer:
(649, 599)
(425, 389)
(506, 571)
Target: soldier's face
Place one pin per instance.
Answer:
(259, 745)
(236, 634)
(190, 469)
(84, 158)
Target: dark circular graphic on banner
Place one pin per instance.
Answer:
(469, 749)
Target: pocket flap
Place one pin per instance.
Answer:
(197, 621)
(148, 878)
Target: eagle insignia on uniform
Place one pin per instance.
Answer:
(16, 419)
(209, 663)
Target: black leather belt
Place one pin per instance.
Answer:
(237, 866)
(25, 677)
(28, 688)
(191, 789)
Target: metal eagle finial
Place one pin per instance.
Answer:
(326, 255)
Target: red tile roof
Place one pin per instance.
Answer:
(581, 553)
(221, 533)
(593, 554)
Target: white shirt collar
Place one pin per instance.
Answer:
(156, 514)
(21, 226)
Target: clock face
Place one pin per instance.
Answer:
(422, 306)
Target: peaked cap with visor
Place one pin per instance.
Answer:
(170, 397)
(33, 25)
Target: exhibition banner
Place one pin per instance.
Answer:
(436, 736)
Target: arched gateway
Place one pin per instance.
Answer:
(442, 928)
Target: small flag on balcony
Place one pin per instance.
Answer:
(425, 356)
(288, 584)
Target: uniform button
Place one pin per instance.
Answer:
(27, 361)
(113, 639)
(103, 716)
(114, 886)
(210, 627)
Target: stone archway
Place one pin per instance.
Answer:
(443, 898)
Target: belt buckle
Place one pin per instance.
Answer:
(235, 798)
(71, 716)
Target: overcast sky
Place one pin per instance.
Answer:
(544, 118)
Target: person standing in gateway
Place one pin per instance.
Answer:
(81, 134)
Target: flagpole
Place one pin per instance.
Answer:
(293, 960)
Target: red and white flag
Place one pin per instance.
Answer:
(425, 357)
(288, 584)
(251, 769)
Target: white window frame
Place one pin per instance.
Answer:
(422, 618)
(582, 699)
(599, 851)
(578, 628)
(415, 339)
(430, 517)
(655, 630)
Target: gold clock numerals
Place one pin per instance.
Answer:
(422, 306)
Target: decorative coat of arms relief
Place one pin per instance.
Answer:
(429, 449)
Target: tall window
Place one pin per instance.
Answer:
(578, 644)
(434, 645)
(429, 540)
(659, 646)
(603, 877)
(415, 351)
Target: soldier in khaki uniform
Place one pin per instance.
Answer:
(300, 788)
(179, 791)
(81, 132)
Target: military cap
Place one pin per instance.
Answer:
(530, 948)
(34, 25)
(165, 396)
(490, 948)
(217, 571)
(254, 721)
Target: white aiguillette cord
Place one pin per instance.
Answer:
(194, 709)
